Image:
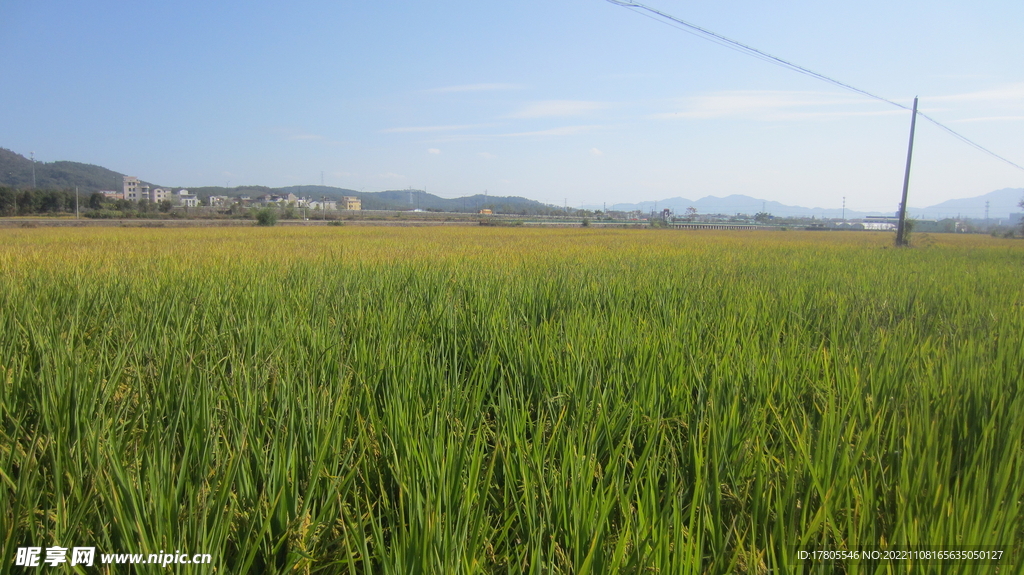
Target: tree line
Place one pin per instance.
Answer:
(28, 202)
(34, 202)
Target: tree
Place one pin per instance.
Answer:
(908, 226)
(762, 217)
(96, 201)
(691, 212)
(1021, 204)
(52, 201)
(8, 202)
(266, 217)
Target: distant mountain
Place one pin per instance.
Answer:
(16, 172)
(737, 204)
(1001, 204)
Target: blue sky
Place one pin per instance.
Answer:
(578, 101)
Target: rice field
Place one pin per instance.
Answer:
(412, 401)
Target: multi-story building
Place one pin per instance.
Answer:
(352, 203)
(134, 190)
(186, 199)
(159, 195)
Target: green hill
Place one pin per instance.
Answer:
(16, 172)
(391, 199)
(421, 200)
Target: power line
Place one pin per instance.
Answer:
(766, 57)
(967, 141)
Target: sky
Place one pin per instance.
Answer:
(577, 101)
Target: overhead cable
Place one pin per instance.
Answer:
(764, 56)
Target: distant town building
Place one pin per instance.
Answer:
(159, 195)
(352, 203)
(486, 211)
(112, 195)
(218, 201)
(881, 223)
(284, 199)
(185, 199)
(134, 190)
(329, 205)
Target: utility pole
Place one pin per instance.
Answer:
(76, 202)
(986, 213)
(33, 155)
(844, 208)
(901, 229)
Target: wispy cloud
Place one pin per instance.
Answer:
(487, 155)
(474, 88)
(293, 135)
(627, 76)
(988, 119)
(772, 106)
(559, 131)
(596, 152)
(1013, 92)
(452, 128)
(559, 108)
(434, 151)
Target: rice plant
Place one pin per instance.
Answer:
(489, 400)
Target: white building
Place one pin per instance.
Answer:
(134, 190)
(186, 199)
(159, 195)
(329, 205)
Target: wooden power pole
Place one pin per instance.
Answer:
(901, 229)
